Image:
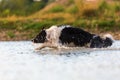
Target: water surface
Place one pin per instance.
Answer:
(19, 61)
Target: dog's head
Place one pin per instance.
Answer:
(40, 38)
(96, 42)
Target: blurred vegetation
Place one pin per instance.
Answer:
(10, 34)
(20, 7)
(57, 9)
(29, 15)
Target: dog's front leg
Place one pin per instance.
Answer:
(40, 47)
(47, 45)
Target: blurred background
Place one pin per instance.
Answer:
(23, 19)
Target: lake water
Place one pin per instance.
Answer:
(19, 61)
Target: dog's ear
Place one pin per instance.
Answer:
(43, 28)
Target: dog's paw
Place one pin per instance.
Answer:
(38, 49)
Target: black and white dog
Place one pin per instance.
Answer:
(66, 35)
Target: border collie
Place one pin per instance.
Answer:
(66, 35)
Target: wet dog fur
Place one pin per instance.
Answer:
(66, 35)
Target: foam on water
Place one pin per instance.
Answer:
(19, 61)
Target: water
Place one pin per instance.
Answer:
(19, 61)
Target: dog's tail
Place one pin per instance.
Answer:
(108, 40)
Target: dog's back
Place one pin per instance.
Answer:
(75, 35)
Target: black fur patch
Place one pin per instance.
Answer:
(98, 42)
(107, 42)
(40, 38)
(75, 35)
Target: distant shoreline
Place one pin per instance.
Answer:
(27, 35)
